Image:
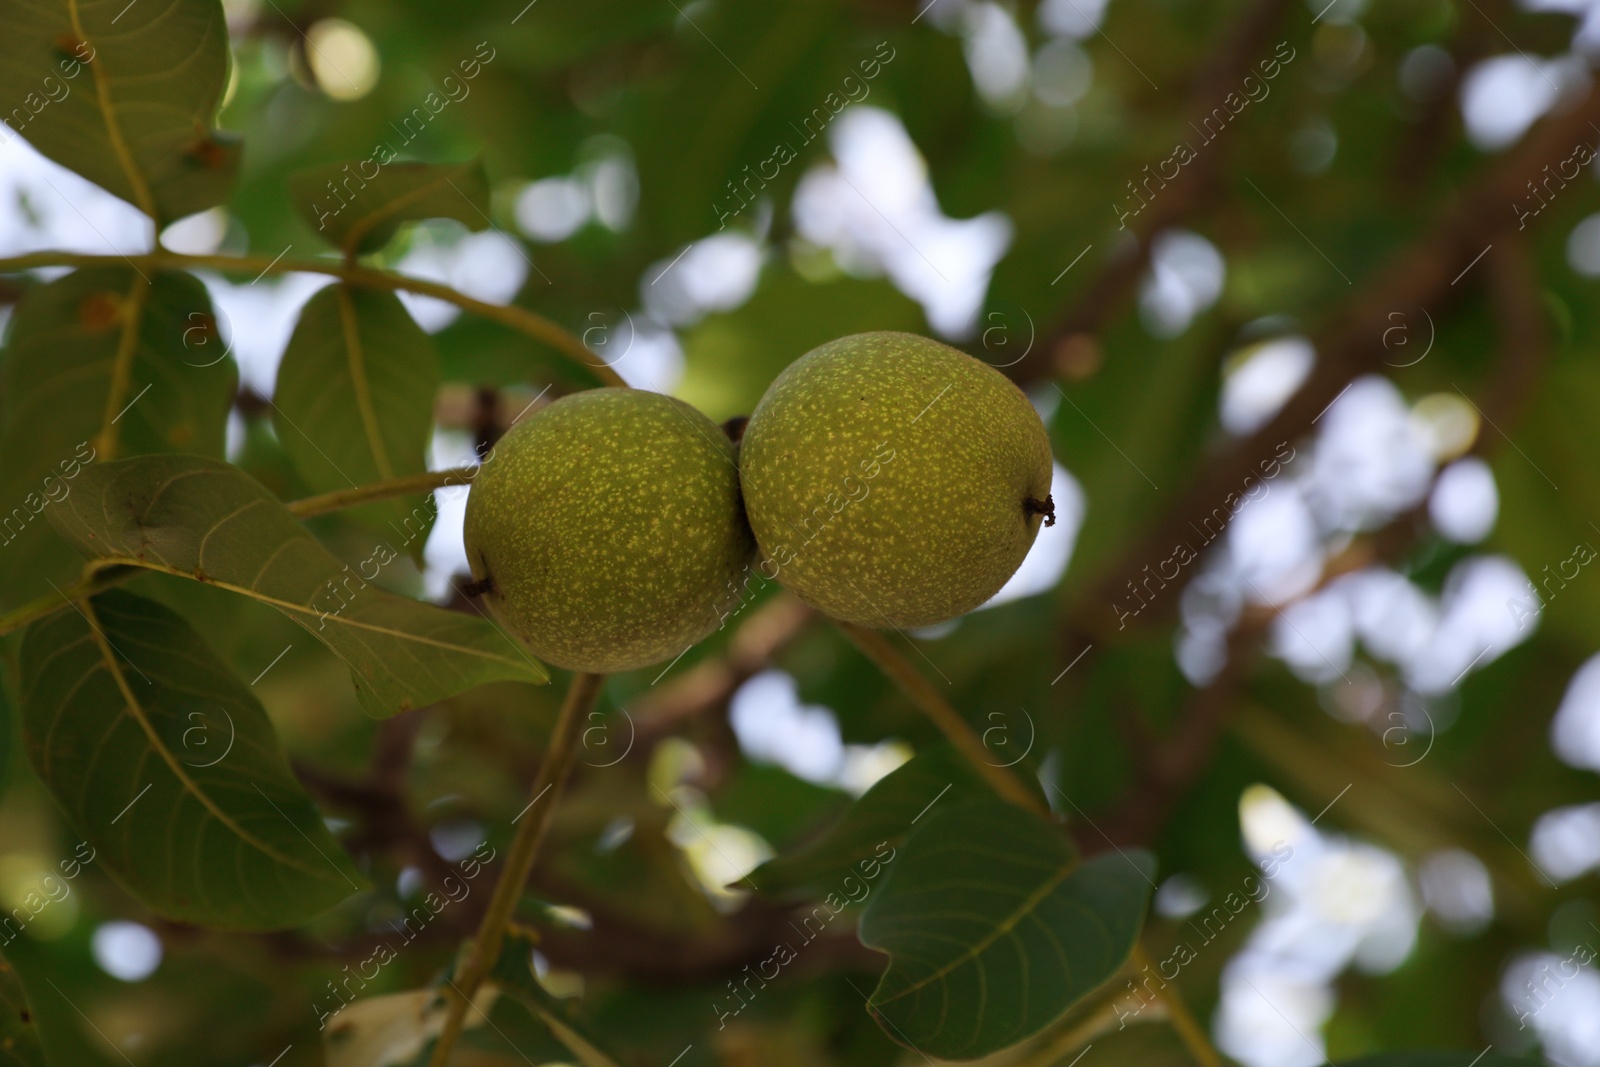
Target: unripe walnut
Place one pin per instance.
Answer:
(607, 529)
(893, 481)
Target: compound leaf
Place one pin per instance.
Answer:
(994, 929)
(354, 397)
(883, 815)
(123, 708)
(99, 362)
(124, 94)
(204, 519)
(359, 206)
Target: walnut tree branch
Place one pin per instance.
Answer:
(479, 960)
(1425, 275)
(1181, 197)
(517, 318)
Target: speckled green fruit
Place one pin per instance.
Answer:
(894, 481)
(609, 528)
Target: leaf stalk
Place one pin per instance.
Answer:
(876, 647)
(554, 770)
(520, 319)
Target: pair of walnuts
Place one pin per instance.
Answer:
(885, 478)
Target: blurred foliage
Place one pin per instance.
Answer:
(631, 947)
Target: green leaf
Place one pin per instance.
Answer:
(94, 357)
(45, 979)
(934, 779)
(359, 206)
(731, 356)
(513, 970)
(209, 521)
(994, 929)
(124, 94)
(354, 399)
(19, 1030)
(123, 706)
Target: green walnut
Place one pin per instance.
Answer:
(606, 530)
(893, 481)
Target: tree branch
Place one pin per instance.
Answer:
(1424, 275)
(1178, 1015)
(1080, 1034)
(1168, 770)
(94, 582)
(1180, 197)
(619, 948)
(521, 319)
(712, 681)
(383, 822)
(480, 957)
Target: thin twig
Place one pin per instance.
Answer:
(1231, 59)
(1182, 1020)
(1078, 1036)
(339, 499)
(877, 648)
(99, 579)
(921, 692)
(480, 957)
(711, 682)
(521, 319)
(91, 583)
(1167, 768)
(1419, 277)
